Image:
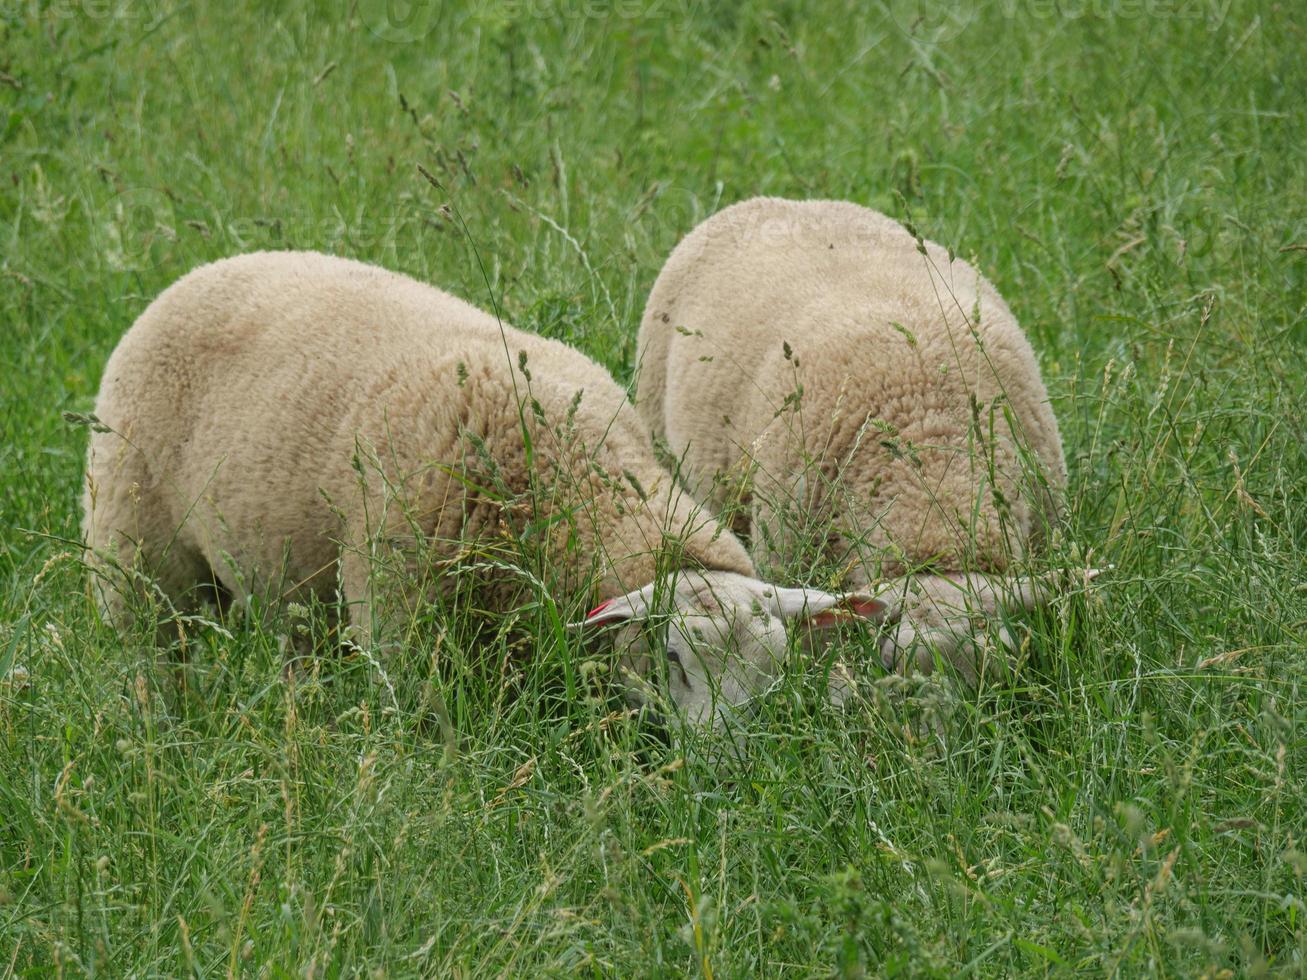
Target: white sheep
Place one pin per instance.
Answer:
(287, 424)
(860, 393)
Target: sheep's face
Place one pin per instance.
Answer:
(712, 642)
(957, 617)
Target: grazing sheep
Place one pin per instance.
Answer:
(287, 424)
(857, 392)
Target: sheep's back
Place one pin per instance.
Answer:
(252, 385)
(241, 388)
(769, 297)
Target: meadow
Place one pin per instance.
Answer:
(1131, 176)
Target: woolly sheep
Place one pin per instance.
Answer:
(842, 383)
(287, 424)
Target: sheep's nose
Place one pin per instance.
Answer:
(909, 649)
(897, 647)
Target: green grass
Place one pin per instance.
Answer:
(1133, 182)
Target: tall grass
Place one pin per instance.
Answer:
(1132, 179)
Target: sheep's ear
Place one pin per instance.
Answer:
(1030, 591)
(633, 605)
(823, 609)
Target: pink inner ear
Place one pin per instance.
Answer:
(599, 608)
(849, 609)
(864, 607)
(827, 619)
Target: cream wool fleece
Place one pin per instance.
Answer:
(246, 399)
(284, 424)
(847, 392)
(807, 359)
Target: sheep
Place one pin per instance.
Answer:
(290, 424)
(848, 388)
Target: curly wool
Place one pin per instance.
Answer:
(273, 416)
(807, 360)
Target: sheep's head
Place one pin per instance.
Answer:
(712, 641)
(957, 617)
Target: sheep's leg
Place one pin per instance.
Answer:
(132, 586)
(141, 566)
(137, 583)
(112, 573)
(378, 581)
(356, 590)
(387, 587)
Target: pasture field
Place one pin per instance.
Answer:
(1132, 177)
